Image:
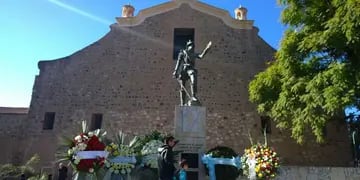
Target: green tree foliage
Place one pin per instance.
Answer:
(316, 74)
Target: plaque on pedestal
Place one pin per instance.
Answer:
(190, 129)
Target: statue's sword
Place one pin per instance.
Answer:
(182, 87)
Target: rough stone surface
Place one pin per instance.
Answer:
(316, 173)
(126, 76)
(11, 120)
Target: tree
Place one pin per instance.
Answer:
(315, 75)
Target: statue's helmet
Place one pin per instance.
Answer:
(189, 43)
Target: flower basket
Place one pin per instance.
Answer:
(120, 162)
(146, 149)
(86, 153)
(149, 153)
(260, 162)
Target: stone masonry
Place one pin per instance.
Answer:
(126, 77)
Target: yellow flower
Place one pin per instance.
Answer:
(116, 153)
(260, 175)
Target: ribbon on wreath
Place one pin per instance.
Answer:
(91, 154)
(123, 159)
(88, 155)
(251, 161)
(109, 175)
(210, 162)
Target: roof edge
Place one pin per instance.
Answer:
(194, 4)
(14, 110)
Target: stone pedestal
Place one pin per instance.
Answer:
(190, 129)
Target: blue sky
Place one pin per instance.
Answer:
(35, 30)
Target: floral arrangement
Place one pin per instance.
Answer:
(149, 153)
(260, 162)
(227, 163)
(121, 159)
(86, 152)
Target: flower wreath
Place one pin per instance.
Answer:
(149, 153)
(86, 152)
(121, 159)
(260, 162)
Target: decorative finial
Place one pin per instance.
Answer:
(128, 11)
(241, 13)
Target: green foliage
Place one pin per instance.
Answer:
(10, 170)
(316, 73)
(141, 141)
(224, 172)
(39, 177)
(222, 152)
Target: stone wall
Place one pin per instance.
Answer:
(316, 173)
(126, 76)
(11, 120)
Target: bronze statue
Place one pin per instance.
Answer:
(185, 70)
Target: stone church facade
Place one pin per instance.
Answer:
(123, 82)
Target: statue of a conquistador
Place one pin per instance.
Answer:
(185, 70)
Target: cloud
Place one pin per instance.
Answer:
(80, 12)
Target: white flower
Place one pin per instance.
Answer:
(91, 170)
(78, 138)
(90, 134)
(151, 147)
(74, 149)
(123, 171)
(76, 161)
(70, 151)
(81, 146)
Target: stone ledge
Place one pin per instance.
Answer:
(315, 173)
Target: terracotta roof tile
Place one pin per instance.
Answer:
(13, 110)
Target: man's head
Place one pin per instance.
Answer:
(171, 141)
(189, 45)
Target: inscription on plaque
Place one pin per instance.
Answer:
(189, 147)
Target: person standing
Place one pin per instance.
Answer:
(62, 172)
(181, 173)
(166, 168)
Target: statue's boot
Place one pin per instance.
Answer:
(193, 93)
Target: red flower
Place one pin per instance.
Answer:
(85, 164)
(95, 144)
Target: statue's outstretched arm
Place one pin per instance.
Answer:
(202, 54)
